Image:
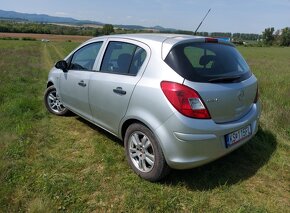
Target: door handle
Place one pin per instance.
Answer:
(119, 91)
(82, 83)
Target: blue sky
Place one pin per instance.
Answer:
(226, 16)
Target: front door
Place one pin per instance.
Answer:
(74, 84)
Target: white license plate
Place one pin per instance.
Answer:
(238, 135)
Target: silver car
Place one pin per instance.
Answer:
(177, 101)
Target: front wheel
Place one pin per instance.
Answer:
(144, 153)
(53, 103)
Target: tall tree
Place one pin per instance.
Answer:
(108, 29)
(268, 36)
(285, 37)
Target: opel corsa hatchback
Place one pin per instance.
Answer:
(177, 101)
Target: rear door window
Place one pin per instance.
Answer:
(123, 58)
(206, 62)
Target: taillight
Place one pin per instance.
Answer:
(257, 95)
(185, 100)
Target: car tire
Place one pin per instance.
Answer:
(53, 103)
(144, 153)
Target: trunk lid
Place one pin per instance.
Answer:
(227, 102)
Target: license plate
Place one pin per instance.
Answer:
(237, 136)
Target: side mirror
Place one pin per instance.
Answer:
(61, 65)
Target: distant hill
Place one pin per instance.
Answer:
(43, 18)
(35, 17)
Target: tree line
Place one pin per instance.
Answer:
(28, 27)
(268, 37)
(8, 26)
(278, 37)
(234, 36)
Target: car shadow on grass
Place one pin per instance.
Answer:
(239, 165)
(101, 131)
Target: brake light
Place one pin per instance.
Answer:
(211, 40)
(185, 100)
(257, 95)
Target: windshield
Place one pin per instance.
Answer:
(207, 62)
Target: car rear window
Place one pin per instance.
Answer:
(208, 62)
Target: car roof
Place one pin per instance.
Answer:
(150, 37)
(166, 40)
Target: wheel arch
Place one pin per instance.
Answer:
(161, 168)
(128, 122)
(50, 83)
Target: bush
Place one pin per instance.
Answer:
(9, 38)
(28, 39)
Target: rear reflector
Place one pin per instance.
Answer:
(185, 100)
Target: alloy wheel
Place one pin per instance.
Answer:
(54, 103)
(141, 151)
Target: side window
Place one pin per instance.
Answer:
(123, 58)
(84, 58)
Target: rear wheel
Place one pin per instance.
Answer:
(144, 153)
(53, 103)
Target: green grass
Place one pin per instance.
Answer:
(50, 163)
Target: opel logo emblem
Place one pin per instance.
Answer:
(241, 95)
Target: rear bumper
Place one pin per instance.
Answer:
(188, 143)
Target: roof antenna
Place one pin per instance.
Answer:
(201, 22)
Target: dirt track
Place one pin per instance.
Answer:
(46, 36)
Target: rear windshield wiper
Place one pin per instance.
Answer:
(229, 79)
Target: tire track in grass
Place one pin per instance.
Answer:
(50, 55)
(61, 55)
(72, 148)
(47, 60)
(29, 133)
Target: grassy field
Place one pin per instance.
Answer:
(50, 163)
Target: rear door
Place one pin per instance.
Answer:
(74, 84)
(111, 87)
